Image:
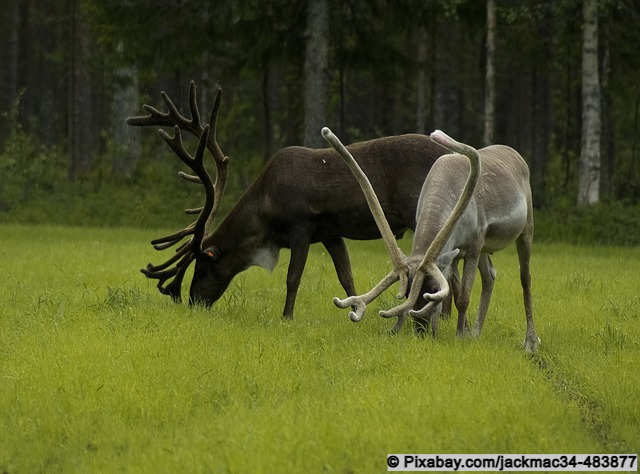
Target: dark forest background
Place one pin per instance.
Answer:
(498, 71)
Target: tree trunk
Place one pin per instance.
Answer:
(9, 60)
(125, 103)
(608, 158)
(490, 76)
(446, 88)
(82, 124)
(589, 172)
(540, 107)
(315, 72)
(422, 83)
(267, 105)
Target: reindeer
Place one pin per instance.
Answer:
(457, 218)
(302, 196)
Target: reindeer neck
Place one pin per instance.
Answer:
(443, 203)
(241, 230)
(432, 218)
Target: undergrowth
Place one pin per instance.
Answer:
(36, 190)
(603, 224)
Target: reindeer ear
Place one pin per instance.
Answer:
(212, 252)
(447, 258)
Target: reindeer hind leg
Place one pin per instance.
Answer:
(523, 246)
(337, 249)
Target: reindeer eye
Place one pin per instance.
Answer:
(212, 252)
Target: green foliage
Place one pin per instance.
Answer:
(602, 224)
(35, 189)
(102, 373)
(28, 168)
(255, 50)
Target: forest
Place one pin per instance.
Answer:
(555, 79)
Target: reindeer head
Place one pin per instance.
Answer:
(422, 278)
(206, 286)
(210, 280)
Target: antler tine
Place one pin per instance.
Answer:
(193, 107)
(398, 260)
(177, 145)
(172, 116)
(196, 210)
(180, 252)
(170, 240)
(177, 272)
(189, 177)
(360, 302)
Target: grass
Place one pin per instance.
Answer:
(101, 373)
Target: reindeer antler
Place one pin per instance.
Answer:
(398, 260)
(176, 266)
(428, 265)
(401, 268)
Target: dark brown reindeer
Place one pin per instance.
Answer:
(473, 203)
(302, 196)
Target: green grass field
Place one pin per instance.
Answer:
(101, 373)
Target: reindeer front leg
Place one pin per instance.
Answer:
(468, 276)
(454, 282)
(300, 241)
(488, 277)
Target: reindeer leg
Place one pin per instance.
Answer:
(454, 282)
(468, 275)
(447, 304)
(488, 277)
(523, 245)
(337, 248)
(300, 242)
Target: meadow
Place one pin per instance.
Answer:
(101, 373)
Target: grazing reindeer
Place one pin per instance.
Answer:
(472, 203)
(302, 196)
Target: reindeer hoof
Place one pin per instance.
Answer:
(531, 347)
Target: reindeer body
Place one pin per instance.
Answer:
(499, 213)
(304, 196)
(471, 204)
(496, 215)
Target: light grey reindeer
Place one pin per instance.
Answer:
(473, 203)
